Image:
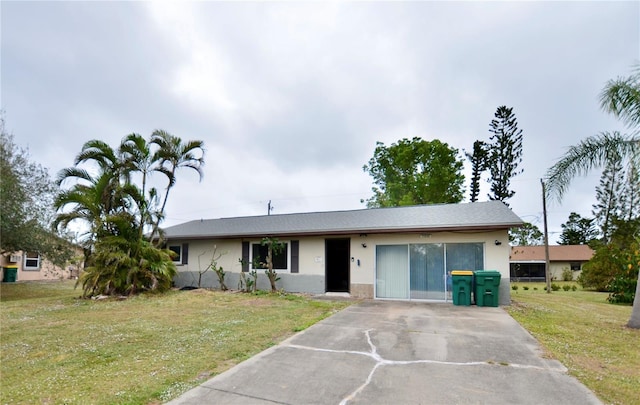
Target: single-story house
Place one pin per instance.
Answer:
(31, 266)
(528, 263)
(384, 253)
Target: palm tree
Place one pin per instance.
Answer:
(620, 97)
(117, 209)
(174, 154)
(93, 197)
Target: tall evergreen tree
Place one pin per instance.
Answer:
(630, 199)
(478, 161)
(608, 192)
(577, 230)
(505, 153)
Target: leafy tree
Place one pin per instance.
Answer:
(415, 171)
(478, 161)
(608, 194)
(624, 286)
(26, 196)
(505, 153)
(577, 230)
(620, 97)
(609, 261)
(120, 208)
(527, 235)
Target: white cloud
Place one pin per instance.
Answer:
(291, 97)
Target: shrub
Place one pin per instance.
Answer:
(599, 272)
(574, 288)
(566, 287)
(623, 286)
(526, 288)
(555, 287)
(514, 287)
(535, 288)
(567, 274)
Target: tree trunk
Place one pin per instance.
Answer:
(634, 322)
(272, 279)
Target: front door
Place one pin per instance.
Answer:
(337, 264)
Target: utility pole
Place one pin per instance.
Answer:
(546, 239)
(269, 208)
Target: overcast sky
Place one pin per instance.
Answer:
(290, 98)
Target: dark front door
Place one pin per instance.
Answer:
(337, 264)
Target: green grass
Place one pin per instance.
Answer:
(587, 334)
(58, 349)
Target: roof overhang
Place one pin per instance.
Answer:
(343, 232)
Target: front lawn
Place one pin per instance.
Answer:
(587, 334)
(56, 348)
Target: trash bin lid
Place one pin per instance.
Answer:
(487, 273)
(462, 273)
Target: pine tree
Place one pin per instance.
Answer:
(505, 153)
(577, 230)
(608, 193)
(478, 161)
(630, 200)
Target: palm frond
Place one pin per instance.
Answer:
(621, 97)
(593, 152)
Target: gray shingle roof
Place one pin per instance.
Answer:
(423, 218)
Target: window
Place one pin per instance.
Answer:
(31, 261)
(177, 249)
(259, 255)
(418, 271)
(182, 253)
(575, 266)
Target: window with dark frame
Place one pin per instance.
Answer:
(280, 259)
(575, 266)
(177, 249)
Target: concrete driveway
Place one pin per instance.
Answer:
(383, 352)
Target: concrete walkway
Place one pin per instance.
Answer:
(383, 352)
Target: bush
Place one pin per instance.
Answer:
(574, 288)
(623, 286)
(567, 274)
(526, 288)
(514, 287)
(536, 288)
(566, 287)
(555, 287)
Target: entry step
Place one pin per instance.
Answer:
(338, 294)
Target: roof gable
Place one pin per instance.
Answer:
(488, 215)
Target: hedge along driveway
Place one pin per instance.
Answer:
(60, 349)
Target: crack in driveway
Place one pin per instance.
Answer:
(380, 361)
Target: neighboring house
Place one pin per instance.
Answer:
(30, 266)
(528, 262)
(386, 253)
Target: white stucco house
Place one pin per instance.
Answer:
(401, 253)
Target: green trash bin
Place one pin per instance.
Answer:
(461, 281)
(487, 288)
(9, 274)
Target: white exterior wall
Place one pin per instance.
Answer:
(362, 259)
